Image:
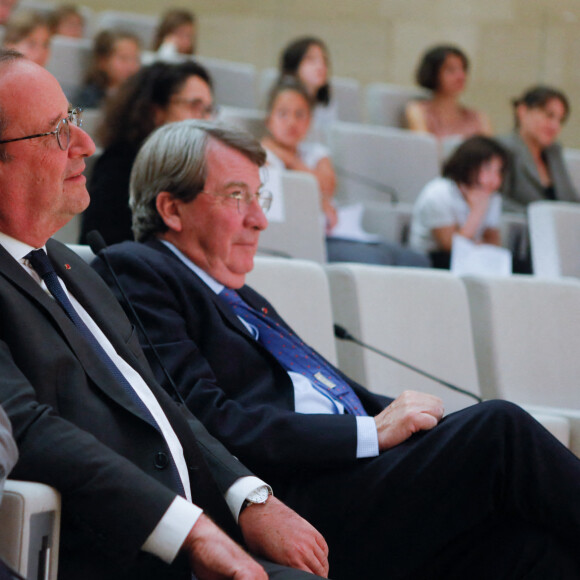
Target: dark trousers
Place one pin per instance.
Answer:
(488, 493)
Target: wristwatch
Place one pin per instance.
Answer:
(258, 496)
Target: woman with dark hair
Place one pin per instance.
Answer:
(67, 20)
(307, 60)
(443, 70)
(158, 94)
(176, 34)
(538, 170)
(464, 201)
(116, 56)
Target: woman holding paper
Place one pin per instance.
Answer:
(464, 201)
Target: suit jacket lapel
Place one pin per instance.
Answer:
(99, 374)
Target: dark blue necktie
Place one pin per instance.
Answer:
(294, 355)
(43, 267)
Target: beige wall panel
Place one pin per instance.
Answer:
(475, 10)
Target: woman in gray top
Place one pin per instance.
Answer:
(538, 170)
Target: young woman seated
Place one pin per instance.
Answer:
(464, 201)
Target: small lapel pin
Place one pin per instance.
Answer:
(67, 266)
(264, 310)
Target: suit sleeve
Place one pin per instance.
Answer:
(109, 498)
(258, 432)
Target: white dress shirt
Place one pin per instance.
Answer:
(171, 531)
(307, 399)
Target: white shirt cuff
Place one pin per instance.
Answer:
(170, 533)
(367, 442)
(240, 490)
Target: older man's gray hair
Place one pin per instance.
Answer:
(173, 159)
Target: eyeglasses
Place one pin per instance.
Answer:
(263, 197)
(62, 130)
(197, 107)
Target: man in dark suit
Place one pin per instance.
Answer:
(139, 475)
(484, 493)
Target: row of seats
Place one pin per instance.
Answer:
(241, 85)
(513, 338)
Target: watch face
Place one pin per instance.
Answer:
(260, 495)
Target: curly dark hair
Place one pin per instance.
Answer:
(129, 116)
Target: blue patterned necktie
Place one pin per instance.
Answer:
(43, 267)
(294, 355)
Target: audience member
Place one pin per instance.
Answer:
(288, 124)
(67, 20)
(176, 35)
(6, 8)
(157, 94)
(116, 56)
(538, 170)
(88, 416)
(29, 34)
(308, 60)
(484, 493)
(443, 70)
(464, 201)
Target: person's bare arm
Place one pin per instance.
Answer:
(415, 116)
(491, 236)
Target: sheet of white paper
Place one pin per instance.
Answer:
(349, 224)
(481, 259)
(272, 180)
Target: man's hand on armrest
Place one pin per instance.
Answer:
(215, 556)
(277, 533)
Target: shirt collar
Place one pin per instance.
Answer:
(17, 249)
(213, 284)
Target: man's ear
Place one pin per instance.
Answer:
(168, 209)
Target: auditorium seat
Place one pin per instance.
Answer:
(69, 59)
(419, 316)
(572, 160)
(555, 238)
(299, 291)
(234, 82)
(30, 529)
(386, 103)
(300, 234)
(251, 120)
(381, 163)
(527, 342)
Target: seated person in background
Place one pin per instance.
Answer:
(443, 70)
(464, 201)
(307, 60)
(159, 93)
(288, 123)
(29, 34)
(399, 493)
(176, 34)
(6, 8)
(67, 20)
(116, 56)
(538, 170)
(139, 475)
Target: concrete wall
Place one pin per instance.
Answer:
(512, 43)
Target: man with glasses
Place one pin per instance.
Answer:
(397, 492)
(139, 475)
